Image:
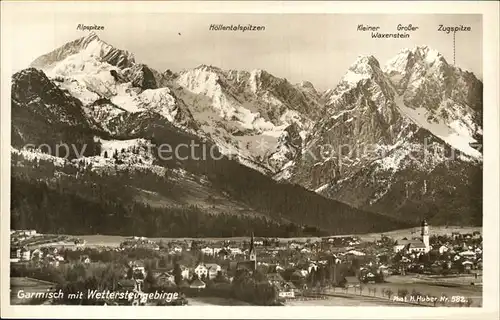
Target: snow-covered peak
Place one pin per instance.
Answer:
(364, 67)
(421, 56)
(368, 60)
(86, 47)
(208, 68)
(428, 55)
(92, 36)
(306, 85)
(437, 96)
(200, 80)
(364, 72)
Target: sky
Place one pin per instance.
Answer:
(299, 47)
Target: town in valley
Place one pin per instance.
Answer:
(412, 267)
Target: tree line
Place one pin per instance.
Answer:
(91, 208)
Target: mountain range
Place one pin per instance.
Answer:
(389, 145)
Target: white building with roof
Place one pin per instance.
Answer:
(415, 245)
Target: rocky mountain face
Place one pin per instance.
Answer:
(32, 90)
(289, 147)
(391, 135)
(110, 85)
(141, 76)
(97, 98)
(400, 139)
(43, 114)
(246, 113)
(91, 45)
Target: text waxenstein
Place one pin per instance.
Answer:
(398, 35)
(233, 27)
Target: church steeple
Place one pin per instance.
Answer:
(252, 253)
(425, 235)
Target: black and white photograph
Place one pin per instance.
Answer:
(164, 159)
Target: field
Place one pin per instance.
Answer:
(114, 241)
(434, 230)
(28, 285)
(215, 301)
(340, 300)
(451, 280)
(396, 234)
(415, 231)
(437, 287)
(348, 301)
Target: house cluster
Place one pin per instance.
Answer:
(139, 242)
(462, 253)
(226, 252)
(290, 266)
(224, 248)
(269, 247)
(373, 272)
(23, 233)
(415, 245)
(30, 238)
(342, 241)
(458, 253)
(194, 277)
(302, 258)
(286, 289)
(201, 274)
(47, 255)
(20, 236)
(78, 242)
(207, 270)
(299, 258)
